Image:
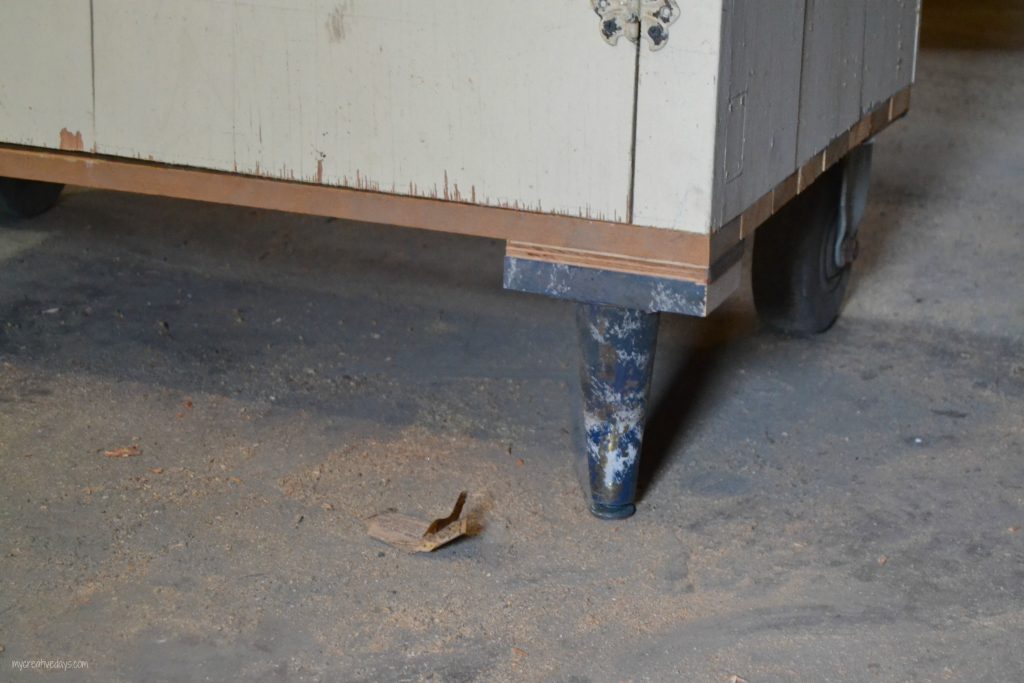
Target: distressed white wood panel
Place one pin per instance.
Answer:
(677, 110)
(890, 49)
(759, 105)
(46, 74)
(275, 87)
(513, 105)
(164, 81)
(833, 63)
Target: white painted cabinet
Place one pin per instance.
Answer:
(626, 175)
(518, 104)
(538, 121)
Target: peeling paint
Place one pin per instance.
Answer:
(593, 285)
(71, 142)
(667, 296)
(447, 190)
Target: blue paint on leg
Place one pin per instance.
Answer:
(617, 357)
(596, 286)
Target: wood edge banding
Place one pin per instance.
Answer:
(612, 262)
(151, 178)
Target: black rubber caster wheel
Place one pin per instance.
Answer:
(803, 254)
(27, 198)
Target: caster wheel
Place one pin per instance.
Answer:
(803, 254)
(27, 198)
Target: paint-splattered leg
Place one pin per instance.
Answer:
(617, 346)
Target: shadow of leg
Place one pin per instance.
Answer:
(672, 412)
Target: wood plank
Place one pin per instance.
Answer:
(613, 262)
(879, 118)
(164, 74)
(757, 214)
(871, 124)
(860, 131)
(810, 171)
(527, 108)
(593, 285)
(46, 74)
(785, 191)
(763, 65)
(722, 288)
(837, 149)
(676, 123)
(371, 207)
(899, 105)
(725, 238)
(643, 291)
(830, 89)
(890, 49)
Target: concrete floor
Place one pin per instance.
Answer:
(846, 508)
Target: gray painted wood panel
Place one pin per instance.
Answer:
(890, 48)
(761, 63)
(833, 64)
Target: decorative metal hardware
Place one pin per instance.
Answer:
(635, 18)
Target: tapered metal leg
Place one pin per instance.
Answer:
(617, 358)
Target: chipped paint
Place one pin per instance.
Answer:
(617, 358)
(71, 142)
(666, 296)
(447, 190)
(592, 285)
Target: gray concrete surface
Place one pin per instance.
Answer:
(847, 508)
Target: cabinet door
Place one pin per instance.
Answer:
(46, 74)
(505, 104)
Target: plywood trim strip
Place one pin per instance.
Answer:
(899, 104)
(128, 175)
(621, 264)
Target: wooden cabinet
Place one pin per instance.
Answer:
(520, 104)
(626, 150)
